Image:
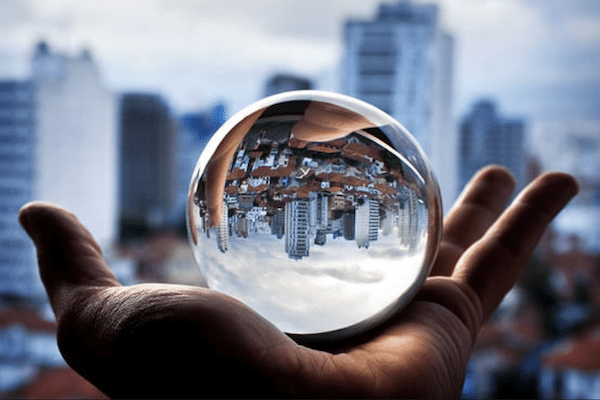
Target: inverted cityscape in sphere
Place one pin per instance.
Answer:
(317, 210)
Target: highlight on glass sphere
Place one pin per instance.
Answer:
(317, 210)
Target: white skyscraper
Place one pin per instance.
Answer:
(77, 157)
(297, 225)
(366, 226)
(223, 229)
(412, 221)
(401, 62)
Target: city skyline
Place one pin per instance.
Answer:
(307, 195)
(84, 58)
(535, 57)
(338, 218)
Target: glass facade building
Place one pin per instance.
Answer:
(18, 272)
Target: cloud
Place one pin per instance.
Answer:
(312, 294)
(197, 52)
(346, 272)
(516, 50)
(13, 13)
(583, 29)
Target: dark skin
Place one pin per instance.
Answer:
(157, 340)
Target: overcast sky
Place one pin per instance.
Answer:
(315, 293)
(539, 58)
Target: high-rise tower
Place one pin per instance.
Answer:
(487, 138)
(401, 62)
(280, 83)
(76, 152)
(366, 223)
(147, 161)
(297, 224)
(18, 272)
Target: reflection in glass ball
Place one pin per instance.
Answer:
(317, 210)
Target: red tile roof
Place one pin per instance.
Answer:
(581, 353)
(28, 318)
(59, 383)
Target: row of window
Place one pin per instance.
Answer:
(14, 122)
(15, 157)
(20, 174)
(21, 96)
(16, 106)
(14, 139)
(16, 112)
(378, 62)
(19, 130)
(14, 191)
(377, 73)
(11, 261)
(374, 52)
(383, 102)
(9, 208)
(378, 35)
(14, 244)
(369, 91)
(373, 63)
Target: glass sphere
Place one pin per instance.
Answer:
(317, 210)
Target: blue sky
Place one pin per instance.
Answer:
(538, 58)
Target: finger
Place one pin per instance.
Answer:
(480, 203)
(219, 163)
(492, 265)
(323, 122)
(68, 256)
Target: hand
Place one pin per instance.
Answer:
(158, 340)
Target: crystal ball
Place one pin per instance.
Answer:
(317, 210)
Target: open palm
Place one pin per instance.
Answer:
(159, 340)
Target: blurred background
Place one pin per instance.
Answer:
(105, 107)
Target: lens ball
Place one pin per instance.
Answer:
(317, 210)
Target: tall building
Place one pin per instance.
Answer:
(488, 138)
(147, 162)
(280, 83)
(194, 130)
(222, 229)
(297, 226)
(349, 225)
(322, 211)
(278, 223)
(366, 226)
(76, 148)
(18, 272)
(401, 62)
(412, 221)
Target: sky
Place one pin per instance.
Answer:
(315, 293)
(537, 58)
